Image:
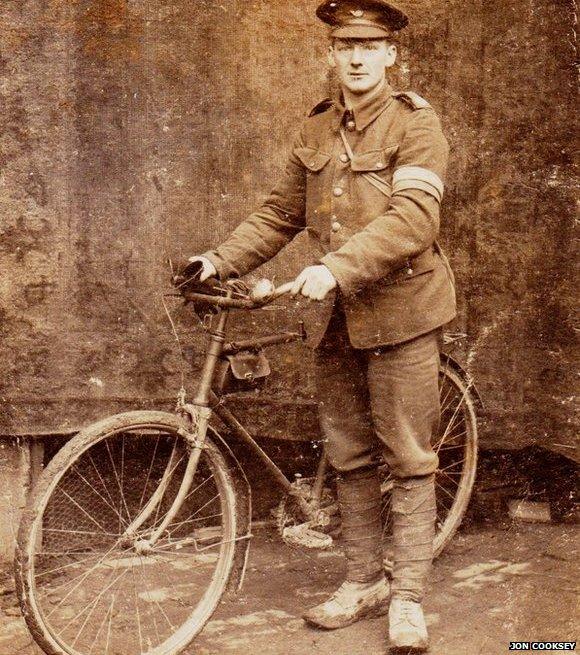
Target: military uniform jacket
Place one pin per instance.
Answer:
(366, 185)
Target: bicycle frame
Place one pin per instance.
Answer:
(200, 410)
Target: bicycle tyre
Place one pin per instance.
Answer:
(456, 443)
(40, 572)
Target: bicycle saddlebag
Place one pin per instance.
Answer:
(243, 371)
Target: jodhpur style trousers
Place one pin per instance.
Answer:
(373, 403)
(378, 402)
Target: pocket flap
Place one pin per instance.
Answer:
(374, 160)
(313, 159)
(249, 366)
(423, 263)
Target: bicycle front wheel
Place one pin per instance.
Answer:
(89, 579)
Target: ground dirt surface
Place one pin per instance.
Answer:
(493, 585)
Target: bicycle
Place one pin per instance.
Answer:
(141, 523)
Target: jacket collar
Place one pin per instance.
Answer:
(365, 112)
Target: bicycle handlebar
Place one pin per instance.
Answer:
(262, 294)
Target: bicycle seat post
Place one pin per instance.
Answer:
(214, 351)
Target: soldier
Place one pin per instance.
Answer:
(365, 180)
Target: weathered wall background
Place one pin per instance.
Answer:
(131, 131)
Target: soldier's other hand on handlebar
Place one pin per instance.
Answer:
(314, 282)
(208, 269)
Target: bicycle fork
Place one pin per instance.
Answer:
(199, 413)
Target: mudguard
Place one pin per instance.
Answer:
(453, 364)
(244, 512)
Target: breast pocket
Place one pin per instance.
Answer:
(314, 160)
(375, 167)
(317, 202)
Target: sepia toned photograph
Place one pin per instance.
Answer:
(288, 327)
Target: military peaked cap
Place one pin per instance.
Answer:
(361, 19)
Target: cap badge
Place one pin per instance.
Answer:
(357, 13)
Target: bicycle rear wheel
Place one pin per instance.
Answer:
(86, 585)
(456, 445)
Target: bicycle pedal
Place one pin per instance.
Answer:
(304, 536)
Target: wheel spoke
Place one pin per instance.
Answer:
(82, 577)
(444, 437)
(454, 464)
(149, 472)
(454, 482)
(105, 486)
(444, 401)
(456, 410)
(155, 601)
(387, 519)
(451, 428)
(94, 604)
(180, 523)
(66, 582)
(83, 510)
(114, 469)
(448, 447)
(136, 603)
(446, 491)
(65, 566)
(101, 626)
(113, 598)
(74, 468)
(62, 531)
(122, 474)
(196, 512)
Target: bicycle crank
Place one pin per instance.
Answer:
(306, 521)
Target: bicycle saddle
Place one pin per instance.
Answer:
(185, 277)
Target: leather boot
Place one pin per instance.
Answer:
(414, 514)
(407, 629)
(365, 592)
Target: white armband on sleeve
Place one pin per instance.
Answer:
(415, 177)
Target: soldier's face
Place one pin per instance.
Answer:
(361, 63)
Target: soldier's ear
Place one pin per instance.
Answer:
(391, 55)
(330, 56)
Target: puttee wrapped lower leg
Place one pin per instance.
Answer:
(414, 514)
(359, 499)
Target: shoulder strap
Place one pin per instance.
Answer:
(322, 106)
(414, 100)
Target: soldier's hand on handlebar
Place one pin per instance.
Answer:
(207, 268)
(314, 282)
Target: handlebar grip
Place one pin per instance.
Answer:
(282, 289)
(264, 291)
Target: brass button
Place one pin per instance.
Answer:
(336, 226)
(338, 191)
(350, 126)
(344, 157)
